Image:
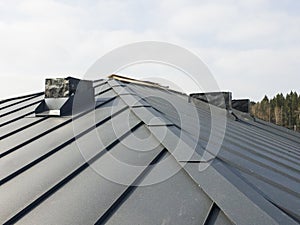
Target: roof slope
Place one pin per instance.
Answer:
(49, 165)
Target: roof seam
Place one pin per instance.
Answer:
(51, 152)
(20, 97)
(16, 103)
(64, 181)
(16, 110)
(205, 191)
(258, 190)
(23, 128)
(117, 204)
(263, 178)
(50, 130)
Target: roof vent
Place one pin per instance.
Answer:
(242, 105)
(220, 99)
(60, 93)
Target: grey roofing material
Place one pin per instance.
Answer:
(254, 179)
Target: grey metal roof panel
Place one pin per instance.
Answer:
(11, 117)
(19, 125)
(30, 152)
(92, 197)
(280, 132)
(16, 100)
(274, 194)
(180, 145)
(102, 88)
(177, 200)
(276, 178)
(114, 83)
(151, 117)
(250, 140)
(103, 97)
(236, 126)
(286, 168)
(278, 129)
(221, 219)
(239, 201)
(33, 182)
(90, 151)
(45, 178)
(21, 105)
(99, 82)
(120, 90)
(48, 173)
(134, 101)
(30, 133)
(258, 150)
(268, 137)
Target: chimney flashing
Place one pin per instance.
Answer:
(60, 94)
(220, 99)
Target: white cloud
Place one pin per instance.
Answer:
(259, 72)
(243, 42)
(200, 19)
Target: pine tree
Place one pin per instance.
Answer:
(281, 110)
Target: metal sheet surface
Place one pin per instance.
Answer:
(253, 179)
(166, 202)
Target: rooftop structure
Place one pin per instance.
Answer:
(52, 171)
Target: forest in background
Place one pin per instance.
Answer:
(281, 110)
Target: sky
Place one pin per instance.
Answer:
(252, 47)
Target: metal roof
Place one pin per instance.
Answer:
(49, 166)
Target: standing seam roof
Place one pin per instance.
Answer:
(48, 169)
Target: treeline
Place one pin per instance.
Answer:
(281, 110)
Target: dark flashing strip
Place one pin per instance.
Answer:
(160, 125)
(16, 103)
(76, 172)
(21, 97)
(130, 189)
(212, 215)
(51, 152)
(52, 129)
(197, 161)
(236, 118)
(128, 93)
(142, 106)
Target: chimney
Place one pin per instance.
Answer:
(220, 99)
(60, 94)
(242, 105)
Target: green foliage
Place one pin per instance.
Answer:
(281, 110)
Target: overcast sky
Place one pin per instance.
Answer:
(252, 47)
